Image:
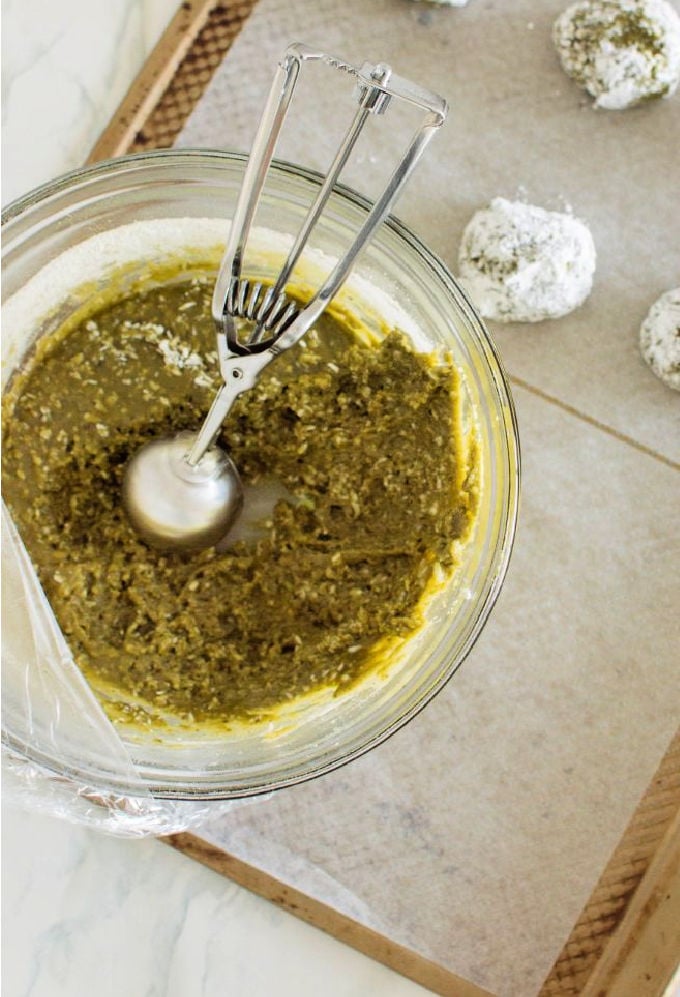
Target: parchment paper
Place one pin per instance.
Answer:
(477, 833)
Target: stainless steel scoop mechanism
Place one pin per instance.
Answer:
(184, 492)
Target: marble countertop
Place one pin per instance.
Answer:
(84, 912)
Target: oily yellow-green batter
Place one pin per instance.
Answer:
(361, 439)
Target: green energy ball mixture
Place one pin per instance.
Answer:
(362, 440)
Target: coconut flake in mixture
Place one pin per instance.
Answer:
(621, 51)
(521, 263)
(660, 338)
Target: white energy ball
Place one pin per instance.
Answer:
(622, 51)
(521, 263)
(660, 338)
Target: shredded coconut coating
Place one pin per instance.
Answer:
(621, 51)
(660, 338)
(521, 263)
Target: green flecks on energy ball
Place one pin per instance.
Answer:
(623, 52)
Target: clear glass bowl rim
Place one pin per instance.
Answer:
(505, 542)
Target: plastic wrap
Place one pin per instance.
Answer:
(61, 753)
(52, 719)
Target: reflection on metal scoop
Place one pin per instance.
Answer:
(186, 495)
(175, 504)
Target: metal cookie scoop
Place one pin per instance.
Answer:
(184, 492)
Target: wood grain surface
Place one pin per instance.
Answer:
(346, 930)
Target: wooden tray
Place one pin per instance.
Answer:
(626, 943)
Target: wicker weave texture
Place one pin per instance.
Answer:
(195, 71)
(616, 887)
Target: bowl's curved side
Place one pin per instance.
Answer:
(187, 197)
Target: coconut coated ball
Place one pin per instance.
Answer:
(521, 263)
(622, 52)
(660, 338)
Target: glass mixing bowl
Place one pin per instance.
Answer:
(139, 208)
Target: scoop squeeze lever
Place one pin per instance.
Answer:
(184, 492)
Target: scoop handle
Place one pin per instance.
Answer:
(240, 374)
